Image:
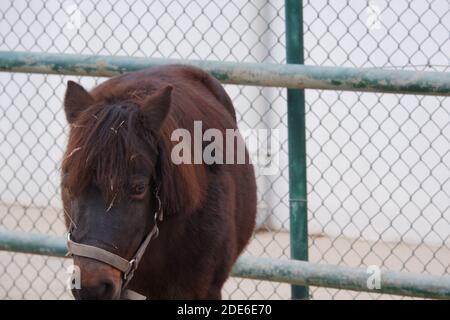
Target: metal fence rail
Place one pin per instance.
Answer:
(289, 271)
(255, 74)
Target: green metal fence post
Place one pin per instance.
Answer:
(297, 144)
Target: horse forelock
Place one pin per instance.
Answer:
(105, 144)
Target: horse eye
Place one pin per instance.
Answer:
(138, 189)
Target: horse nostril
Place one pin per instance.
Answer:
(108, 290)
(103, 291)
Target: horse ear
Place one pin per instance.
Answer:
(76, 100)
(156, 107)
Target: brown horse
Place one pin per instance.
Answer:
(117, 173)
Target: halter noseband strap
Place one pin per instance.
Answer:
(116, 261)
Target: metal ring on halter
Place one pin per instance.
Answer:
(130, 272)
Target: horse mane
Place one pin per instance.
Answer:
(107, 141)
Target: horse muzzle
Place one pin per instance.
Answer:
(99, 281)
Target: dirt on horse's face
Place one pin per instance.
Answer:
(108, 180)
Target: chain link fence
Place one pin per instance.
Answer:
(378, 174)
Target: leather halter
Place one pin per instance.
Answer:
(127, 267)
